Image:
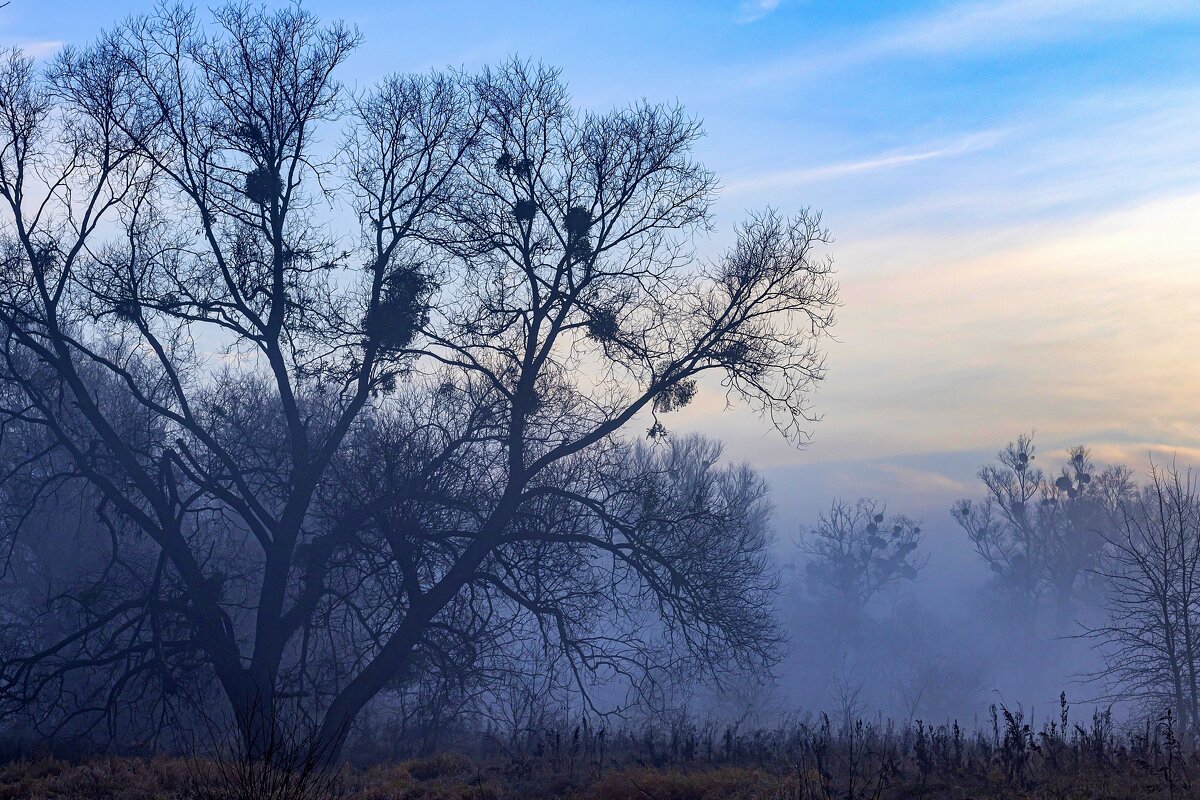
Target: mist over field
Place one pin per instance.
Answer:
(759, 399)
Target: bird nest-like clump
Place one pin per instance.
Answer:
(262, 186)
(401, 311)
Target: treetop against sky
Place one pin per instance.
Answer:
(1011, 186)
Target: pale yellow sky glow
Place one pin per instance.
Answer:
(1034, 268)
(1086, 332)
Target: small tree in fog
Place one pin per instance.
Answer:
(854, 552)
(1151, 640)
(1041, 534)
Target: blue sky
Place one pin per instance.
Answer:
(1014, 188)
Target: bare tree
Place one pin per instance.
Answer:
(634, 564)
(410, 424)
(854, 552)
(1042, 537)
(216, 295)
(1150, 640)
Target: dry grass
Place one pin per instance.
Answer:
(732, 783)
(689, 761)
(109, 778)
(453, 777)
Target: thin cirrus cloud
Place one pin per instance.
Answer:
(975, 27)
(39, 49)
(754, 10)
(779, 179)
(982, 24)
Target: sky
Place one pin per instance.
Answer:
(1013, 187)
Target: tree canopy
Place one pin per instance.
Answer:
(347, 384)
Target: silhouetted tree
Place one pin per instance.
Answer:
(854, 552)
(329, 458)
(1042, 537)
(1150, 641)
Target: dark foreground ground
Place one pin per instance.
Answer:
(810, 760)
(457, 778)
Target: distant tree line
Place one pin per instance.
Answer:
(1085, 552)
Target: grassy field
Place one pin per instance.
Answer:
(446, 777)
(813, 760)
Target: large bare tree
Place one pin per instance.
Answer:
(348, 377)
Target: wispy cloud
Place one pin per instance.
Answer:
(980, 26)
(39, 49)
(754, 10)
(777, 179)
(1099, 152)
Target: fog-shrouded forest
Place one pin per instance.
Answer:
(344, 452)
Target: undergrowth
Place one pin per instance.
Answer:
(814, 759)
